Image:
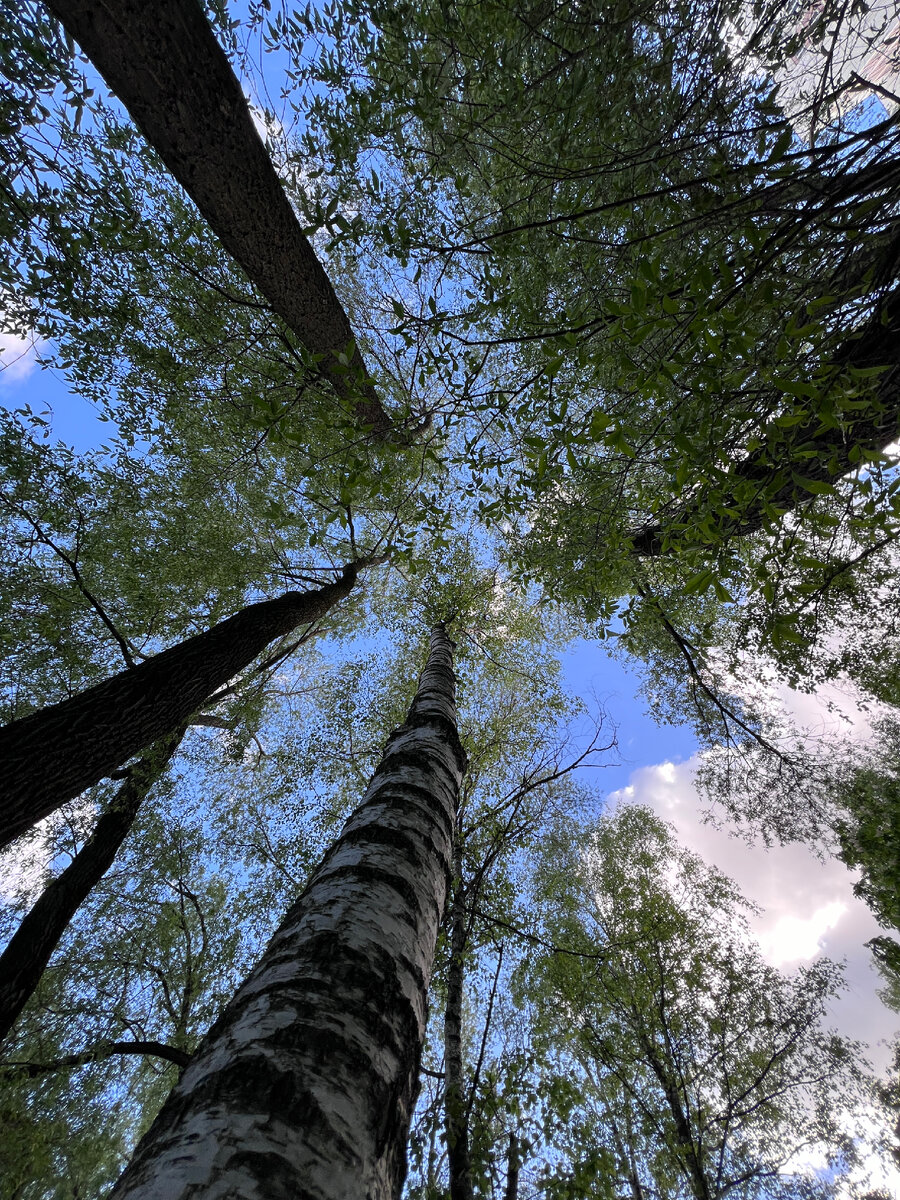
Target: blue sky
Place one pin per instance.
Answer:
(45, 391)
(809, 906)
(589, 670)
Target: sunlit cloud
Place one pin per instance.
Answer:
(795, 939)
(807, 906)
(267, 125)
(18, 358)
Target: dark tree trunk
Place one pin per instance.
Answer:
(304, 1087)
(770, 481)
(162, 60)
(512, 1168)
(57, 752)
(684, 1135)
(23, 961)
(100, 1053)
(456, 1122)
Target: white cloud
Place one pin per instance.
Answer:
(807, 908)
(794, 939)
(18, 358)
(24, 865)
(268, 126)
(807, 905)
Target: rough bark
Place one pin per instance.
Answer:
(23, 961)
(456, 1123)
(163, 62)
(305, 1086)
(57, 752)
(876, 345)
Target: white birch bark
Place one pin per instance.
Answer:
(304, 1087)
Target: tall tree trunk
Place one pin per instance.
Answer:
(511, 1192)
(456, 1122)
(305, 1086)
(57, 752)
(626, 1155)
(163, 62)
(24, 959)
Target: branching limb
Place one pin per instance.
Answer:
(99, 1054)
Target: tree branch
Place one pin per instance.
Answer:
(99, 1054)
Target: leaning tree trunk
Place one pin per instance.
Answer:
(23, 961)
(456, 1121)
(689, 1146)
(305, 1086)
(163, 62)
(57, 752)
(767, 479)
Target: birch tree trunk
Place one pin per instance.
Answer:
(689, 1145)
(456, 1123)
(56, 753)
(23, 961)
(305, 1086)
(163, 62)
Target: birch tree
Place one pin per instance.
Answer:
(333, 1016)
(628, 442)
(695, 1068)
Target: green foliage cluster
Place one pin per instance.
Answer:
(638, 342)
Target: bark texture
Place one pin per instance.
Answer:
(877, 344)
(304, 1087)
(23, 961)
(57, 752)
(456, 1121)
(163, 62)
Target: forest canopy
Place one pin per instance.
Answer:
(433, 341)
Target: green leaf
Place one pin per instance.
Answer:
(698, 583)
(818, 487)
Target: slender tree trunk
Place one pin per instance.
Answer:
(456, 1121)
(99, 1053)
(305, 1086)
(684, 1136)
(57, 752)
(162, 60)
(626, 1156)
(511, 1191)
(23, 961)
